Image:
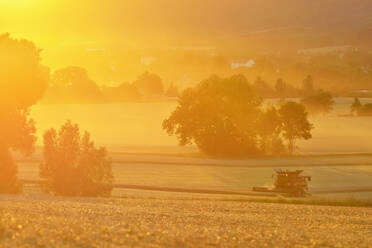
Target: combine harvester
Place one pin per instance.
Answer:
(289, 183)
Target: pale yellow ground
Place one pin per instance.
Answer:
(151, 220)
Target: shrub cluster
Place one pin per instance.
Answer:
(72, 164)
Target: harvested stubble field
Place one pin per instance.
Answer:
(334, 175)
(152, 220)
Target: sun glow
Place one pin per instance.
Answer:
(18, 2)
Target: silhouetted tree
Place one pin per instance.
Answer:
(321, 102)
(22, 82)
(73, 85)
(356, 106)
(73, 166)
(219, 115)
(149, 84)
(269, 129)
(308, 86)
(295, 123)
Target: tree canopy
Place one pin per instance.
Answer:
(23, 80)
(149, 84)
(319, 103)
(224, 117)
(73, 85)
(295, 123)
(211, 116)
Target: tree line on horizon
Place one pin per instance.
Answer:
(73, 85)
(342, 71)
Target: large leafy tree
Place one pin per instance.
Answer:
(224, 117)
(219, 115)
(149, 84)
(295, 123)
(269, 129)
(22, 82)
(73, 166)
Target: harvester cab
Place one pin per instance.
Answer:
(291, 182)
(287, 182)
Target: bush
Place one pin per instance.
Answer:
(73, 166)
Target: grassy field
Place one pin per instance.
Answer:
(138, 220)
(329, 173)
(136, 127)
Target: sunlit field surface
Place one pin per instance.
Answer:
(136, 127)
(91, 90)
(164, 221)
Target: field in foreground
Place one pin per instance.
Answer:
(140, 220)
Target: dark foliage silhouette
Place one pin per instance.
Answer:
(22, 82)
(149, 84)
(295, 123)
(224, 117)
(73, 85)
(73, 166)
(218, 115)
(319, 103)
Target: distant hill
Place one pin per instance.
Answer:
(265, 23)
(293, 24)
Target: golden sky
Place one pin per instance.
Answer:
(57, 26)
(50, 22)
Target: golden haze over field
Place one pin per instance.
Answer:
(188, 123)
(114, 35)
